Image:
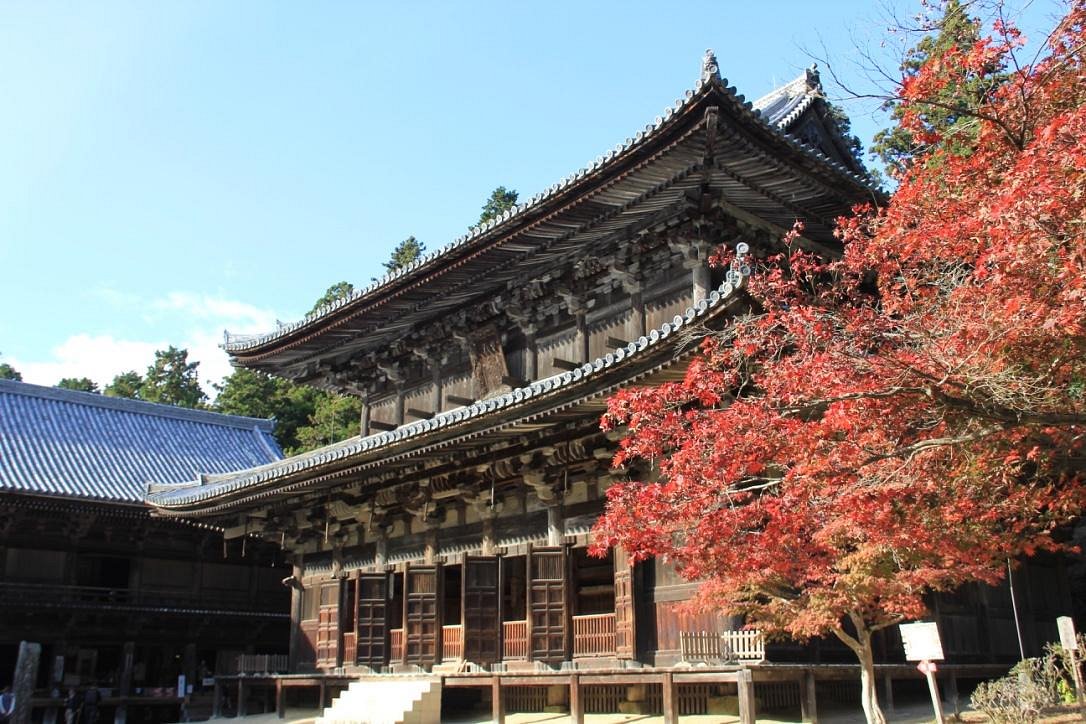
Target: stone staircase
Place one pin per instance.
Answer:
(387, 700)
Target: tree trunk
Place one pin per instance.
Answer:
(861, 646)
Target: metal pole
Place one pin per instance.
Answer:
(1014, 607)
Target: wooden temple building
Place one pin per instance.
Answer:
(450, 536)
(118, 599)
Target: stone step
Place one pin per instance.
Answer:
(392, 700)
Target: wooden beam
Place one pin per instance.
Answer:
(497, 703)
(383, 426)
(615, 342)
(241, 697)
(671, 700)
(420, 414)
(808, 701)
(564, 364)
(747, 713)
(457, 400)
(513, 381)
(576, 700)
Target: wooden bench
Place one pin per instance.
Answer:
(708, 647)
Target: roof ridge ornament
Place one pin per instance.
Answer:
(814, 80)
(710, 69)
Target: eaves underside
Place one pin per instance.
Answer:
(541, 403)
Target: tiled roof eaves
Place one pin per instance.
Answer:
(139, 407)
(710, 81)
(220, 486)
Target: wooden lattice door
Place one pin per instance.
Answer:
(625, 630)
(481, 596)
(548, 609)
(328, 626)
(422, 625)
(372, 619)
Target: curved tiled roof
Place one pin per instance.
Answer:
(79, 444)
(770, 119)
(215, 487)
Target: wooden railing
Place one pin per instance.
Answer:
(515, 634)
(395, 644)
(744, 645)
(594, 635)
(452, 643)
(710, 646)
(262, 663)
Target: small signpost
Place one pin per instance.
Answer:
(1070, 644)
(922, 644)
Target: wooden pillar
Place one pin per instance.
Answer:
(808, 698)
(322, 693)
(365, 418)
(241, 698)
(497, 703)
(576, 700)
(531, 366)
(26, 673)
(555, 533)
(128, 656)
(216, 700)
(380, 558)
(701, 280)
(745, 683)
(429, 551)
(435, 392)
(400, 397)
(582, 337)
(280, 699)
(489, 544)
(296, 593)
(670, 699)
(637, 311)
(888, 692)
(950, 692)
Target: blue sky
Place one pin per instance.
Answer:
(171, 169)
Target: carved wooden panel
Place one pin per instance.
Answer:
(422, 622)
(487, 361)
(481, 615)
(548, 610)
(625, 627)
(372, 620)
(328, 626)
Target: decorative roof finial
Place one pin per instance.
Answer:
(814, 81)
(709, 68)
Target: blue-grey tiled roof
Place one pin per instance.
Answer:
(781, 106)
(776, 110)
(79, 444)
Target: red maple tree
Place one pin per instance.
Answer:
(903, 419)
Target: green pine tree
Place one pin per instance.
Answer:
(953, 111)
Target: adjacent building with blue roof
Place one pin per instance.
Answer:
(80, 444)
(85, 569)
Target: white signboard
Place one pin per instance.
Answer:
(921, 641)
(1067, 633)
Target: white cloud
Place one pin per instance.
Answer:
(189, 320)
(100, 357)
